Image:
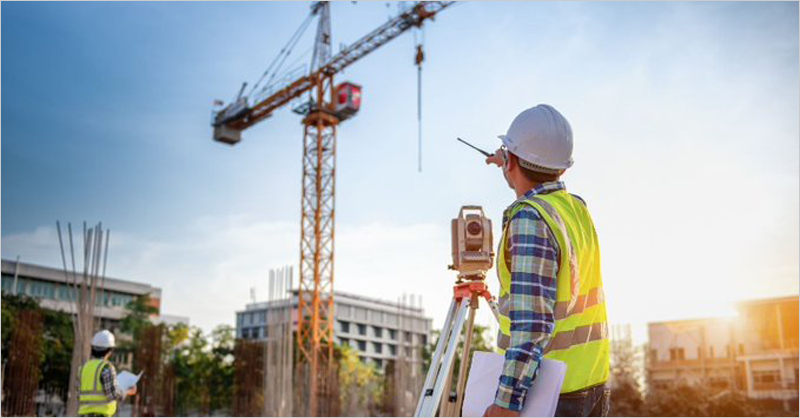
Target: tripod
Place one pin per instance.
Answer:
(466, 294)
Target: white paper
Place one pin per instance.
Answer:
(127, 380)
(484, 376)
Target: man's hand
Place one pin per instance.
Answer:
(496, 158)
(498, 411)
(131, 391)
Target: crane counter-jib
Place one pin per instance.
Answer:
(238, 116)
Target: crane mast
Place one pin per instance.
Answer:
(322, 115)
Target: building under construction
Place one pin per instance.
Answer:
(755, 353)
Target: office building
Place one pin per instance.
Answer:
(376, 329)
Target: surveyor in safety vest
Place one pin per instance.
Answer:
(98, 389)
(551, 291)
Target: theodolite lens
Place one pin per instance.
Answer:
(474, 228)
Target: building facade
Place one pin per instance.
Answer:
(54, 291)
(755, 353)
(376, 329)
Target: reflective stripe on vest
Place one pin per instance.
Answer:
(92, 399)
(580, 335)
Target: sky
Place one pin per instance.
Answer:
(685, 122)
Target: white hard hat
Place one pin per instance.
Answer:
(103, 339)
(542, 139)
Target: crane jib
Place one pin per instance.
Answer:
(368, 43)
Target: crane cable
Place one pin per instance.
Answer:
(418, 59)
(284, 53)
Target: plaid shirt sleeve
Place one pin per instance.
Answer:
(108, 376)
(534, 270)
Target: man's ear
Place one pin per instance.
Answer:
(513, 161)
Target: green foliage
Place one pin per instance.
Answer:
(361, 384)
(139, 311)
(203, 369)
(11, 304)
(481, 341)
(58, 339)
(626, 396)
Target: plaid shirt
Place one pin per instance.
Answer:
(532, 258)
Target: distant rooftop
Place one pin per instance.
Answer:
(341, 296)
(34, 271)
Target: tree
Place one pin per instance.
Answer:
(626, 391)
(221, 367)
(203, 369)
(139, 311)
(58, 339)
(361, 384)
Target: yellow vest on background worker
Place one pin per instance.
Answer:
(92, 399)
(580, 336)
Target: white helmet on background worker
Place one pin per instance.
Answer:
(103, 339)
(542, 139)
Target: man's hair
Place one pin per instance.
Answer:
(537, 176)
(99, 352)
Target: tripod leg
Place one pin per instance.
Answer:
(465, 358)
(446, 348)
(433, 370)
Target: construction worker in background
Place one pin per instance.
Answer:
(98, 390)
(551, 291)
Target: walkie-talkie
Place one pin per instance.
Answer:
(475, 148)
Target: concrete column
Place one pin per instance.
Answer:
(748, 378)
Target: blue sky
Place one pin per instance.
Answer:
(686, 144)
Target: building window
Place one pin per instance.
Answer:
(22, 286)
(362, 329)
(408, 336)
(423, 338)
(362, 345)
(344, 342)
(245, 333)
(360, 314)
(377, 347)
(392, 349)
(408, 351)
(343, 310)
(766, 379)
(376, 316)
(393, 334)
(8, 283)
(344, 326)
(676, 354)
(378, 332)
(378, 363)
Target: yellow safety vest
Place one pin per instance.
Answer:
(92, 399)
(580, 336)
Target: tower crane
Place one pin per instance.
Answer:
(327, 106)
